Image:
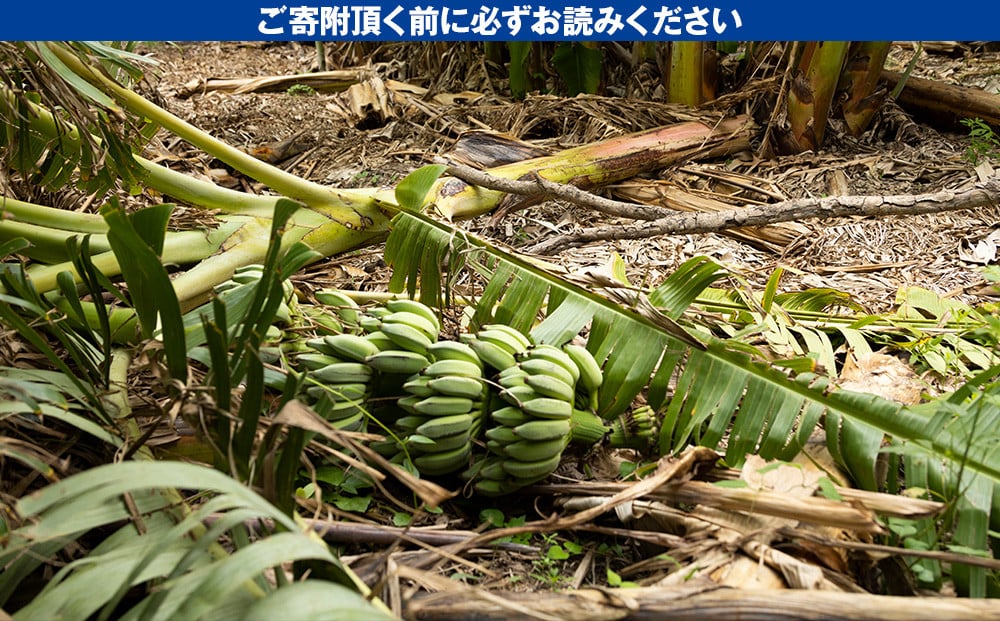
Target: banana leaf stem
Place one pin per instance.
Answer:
(179, 247)
(280, 181)
(51, 217)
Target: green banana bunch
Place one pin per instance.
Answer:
(636, 429)
(250, 275)
(531, 418)
(442, 399)
(339, 380)
(445, 402)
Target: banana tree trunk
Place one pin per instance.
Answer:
(600, 163)
(812, 90)
(683, 76)
(860, 81)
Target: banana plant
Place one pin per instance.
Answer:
(821, 71)
(709, 390)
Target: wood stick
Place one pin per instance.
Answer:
(984, 194)
(696, 603)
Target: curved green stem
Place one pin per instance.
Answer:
(280, 181)
(181, 247)
(51, 217)
(50, 241)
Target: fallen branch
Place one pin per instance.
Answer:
(326, 81)
(541, 189)
(696, 603)
(984, 194)
(945, 104)
(333, 531)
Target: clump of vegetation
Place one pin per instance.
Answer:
(301, 90)
(985, 144)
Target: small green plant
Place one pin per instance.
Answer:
(614, 580)
(985, 142)
(496, 519)
(301, 89)
(549, 568)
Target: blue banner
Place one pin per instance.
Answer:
(455, 20)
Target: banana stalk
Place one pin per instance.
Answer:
(859, 80)
(812, 90)
(597, 164)
(683, 78)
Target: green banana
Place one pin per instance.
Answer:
(426, 444)
(493, 487)
(339, 392)
(445, 462)
(369, 323)
(549, 386)
(409, 402)
(443, 368)
(350, 346)
(591, 376)
(531, 471)
(490, 468)
(514, 334)
(344, 306)
(318, 344)
(558, 356)
(407, 337)
(496, 448)
(547, 407)
(503, 435)
(540, 366)
(518, 395)
(453, 350)
(419, 386)
(444, 426)
(503, 339)
(510, 416)
(385, 448)
(439, 405)
(381, 340)
(397, 361)
(543, 429)
(312, 362)
(342, 410)
(343, 373)
(528, 451)
(410, 423)
(457, 386)
(427, 327)
(512, 380)
(401, 305)
(351, 423)
(492, 354)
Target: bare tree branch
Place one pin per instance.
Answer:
(984, 194)
(541, 189)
